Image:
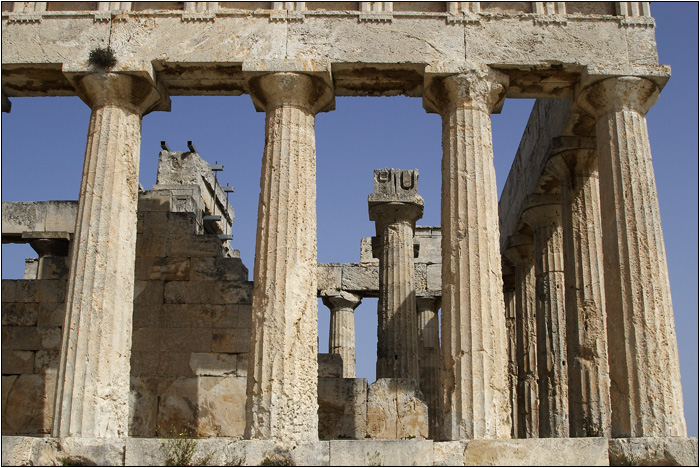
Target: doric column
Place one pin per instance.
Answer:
(643, 354)
(341, 339)
(520, 254)
(551, 319)
(395, 206)
(586, 328)
(429, 359)
(283, 369)
(92, 397)
(511, 338)
(53, 249)
(474, 352)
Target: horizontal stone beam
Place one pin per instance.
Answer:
(363, 278)
(54, 218)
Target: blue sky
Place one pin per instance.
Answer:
(43, 145)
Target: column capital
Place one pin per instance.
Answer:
(520, 254)
(280, 88)
(476, 86)
(431, 303)
(573, 162)
(617, 94)
(542, 211)
(395, 197)
(334, 299)
(134, 91)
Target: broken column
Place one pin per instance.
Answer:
(520, 253)
(474, 351)
(645, 379)
(575, 164)
(341, 339)
(92, 398)
(545, 220)
(395, 406)
(395, 206)
(283, 362)
(429, 359)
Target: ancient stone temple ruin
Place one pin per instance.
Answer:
(537, 329)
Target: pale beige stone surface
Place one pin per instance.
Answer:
(282, 377)
(664, 451)
(473, 326)
(92, 398)
(537, 452)
(645, 380)
(381, 452)
(396, 410)
(449, 453)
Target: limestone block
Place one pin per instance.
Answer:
(145, 339)
(8, 292)
(537, 452)
(224, 316)
(213, 364)
(146, 315)
(17, 362)
(381, 452)
(360, 277)
(25, 290)
(144, 363)
(51, 290)
(420, 276)
(170, 269)
(211, 406)
(29, 405)
(207, 245)
(51, 314)
(434, 277)
(152, 244)
(207, 292)
(330, 365)
(245, 315)
(222, 269)
(148, 292)
(50, 337)
(173, 364)
(449, 453)
(46, 360)
(184, 316)
(90, 451)
(329, 276)
(396, 410)
(28, 451)
(143, 406)
(232, 340)
(19, 314)
(26, 338)
(342, 408)
(242, 365)
(186, 340)
(7, 382)
(663, 451)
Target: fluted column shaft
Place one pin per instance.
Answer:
(341, 339)
(474, 351)
(526, 339)
(551, 319)
(429, 359)
(586, 328)
(643, 353)
(511, 336)
(92, 397)
(283, 369)
(397, 340)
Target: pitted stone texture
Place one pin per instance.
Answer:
(429, 362)
(342, 408)
(475, 361)
(586, 328)
(282, 378)
(341, 338)
(449, 453)
(396, 410)
(537, 452)
(646, 395)
(381, 452)
(551, 319)
(330, 365)
(92, 397)
(647, 451)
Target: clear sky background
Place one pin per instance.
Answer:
(43, 145)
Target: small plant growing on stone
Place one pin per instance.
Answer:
(102, 57)
(180, 449)
(374, 459)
